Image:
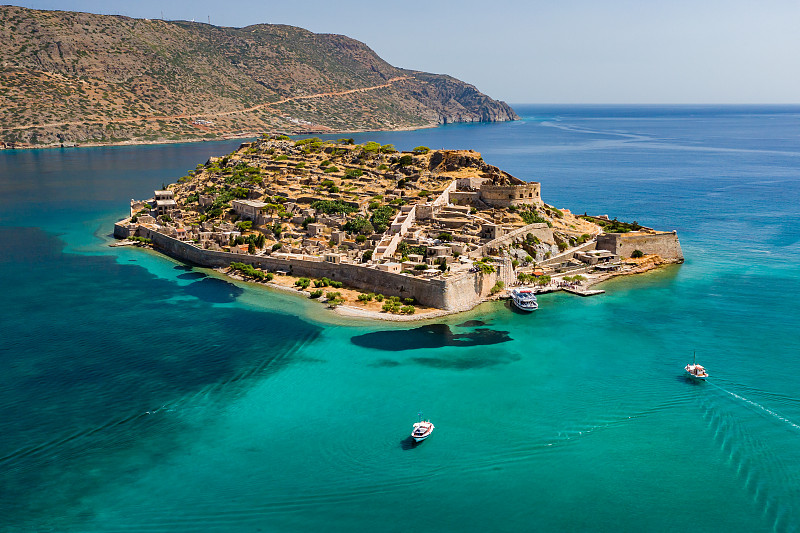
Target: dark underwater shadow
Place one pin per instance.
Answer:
(472, 324)
(214, 290)
(427, 337)
(192, 275)
(409, 443)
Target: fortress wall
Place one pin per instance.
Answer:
(459, 292)
(508, 195)
(664, 244)
(464, 291)
(538, 229)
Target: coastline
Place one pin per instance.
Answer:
(349, 312)
(226, 137)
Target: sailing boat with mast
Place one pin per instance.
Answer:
(696, 371)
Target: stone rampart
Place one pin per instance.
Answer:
(458, 292)
(539, 230)
(663, 244)
(508, 195)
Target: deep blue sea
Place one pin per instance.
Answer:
(139, 394)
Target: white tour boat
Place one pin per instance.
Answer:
(524, 299)
(422, 429)
(696, 371)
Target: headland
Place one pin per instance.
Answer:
(378, 233)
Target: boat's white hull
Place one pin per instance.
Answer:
(522, 307)
(694, 376)
(419, 436)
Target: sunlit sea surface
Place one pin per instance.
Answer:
(139, 394)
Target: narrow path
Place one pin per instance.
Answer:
(218, 114)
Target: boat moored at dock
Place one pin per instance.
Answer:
(524, 299)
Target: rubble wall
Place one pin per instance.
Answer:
(459, 292)
(665, 244)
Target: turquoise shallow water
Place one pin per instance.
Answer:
(140, 394)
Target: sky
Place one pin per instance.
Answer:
(535, 51)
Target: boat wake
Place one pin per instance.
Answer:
(760, 477)
(758, 406)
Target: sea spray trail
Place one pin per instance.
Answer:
(764, 474)
(758, 406)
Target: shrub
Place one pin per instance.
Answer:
(530, 217)
(372, 147)
(282, 157)
(380, 218)
(361, 238)
(388, 149)
(637, 253)
(330, 169)
(366, 256)
(421, 150)
(562, 246)
(484, 267)
(336, 284)
(324, 164)
(420, 267)
(244, 225)
(276, 246)
(324, 282)
(330, 207)
(359, 225)
(365, 297)
(405, 161)
(408, 310)
(408, 301)
(328, 183)
(316, 294)
(303, 142)
(514, 263)
(303, 283)
(379, 297)
(353, 173)
(391, 307)
(383, 166)
(528, 259)
(499, 286)
(445, 237)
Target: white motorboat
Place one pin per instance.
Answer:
(696, 371)
(524, 299)
(422, 429)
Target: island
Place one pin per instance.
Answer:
(372, 231)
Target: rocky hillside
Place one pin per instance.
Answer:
(70, 77)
